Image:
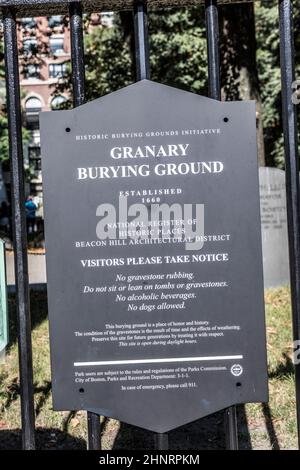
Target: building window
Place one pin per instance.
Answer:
(57, 44)
(34, 152)
(107, 19)
(58, 102)
(35, 158)
(55, 21)
(32, 71)
(57, 70)
(28, 23)
(29, 45)
(33, 104)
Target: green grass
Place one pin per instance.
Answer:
(269, 426)
(274, 425)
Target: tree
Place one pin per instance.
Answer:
(268, 60)
(4, 146)
(177, 53)
(238, 58)
(108, 61)
(178, 49)
(250, 62)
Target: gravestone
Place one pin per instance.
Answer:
(274, 227)
(154, 263)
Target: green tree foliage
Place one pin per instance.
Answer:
(268, 61)
(178, 49)
(4, 146)
(268, 55)
(108, 60)
(3, 117)
(178, 58)
(177, 53)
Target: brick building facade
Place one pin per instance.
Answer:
(44, 43)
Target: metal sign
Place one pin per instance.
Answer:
(154, 262)
(3, 301)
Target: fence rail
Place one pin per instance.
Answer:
(48, 7)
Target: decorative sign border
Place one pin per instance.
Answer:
(119, 348)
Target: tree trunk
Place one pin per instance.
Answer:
(239, 77)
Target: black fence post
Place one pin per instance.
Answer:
(142, 72)
(77, 53)
(231, 430)
(19, 227)
(141, 40)
(291, 171)
(78, 78)
(213, 57)
(94, 431)
(162, 441)
(212, 33)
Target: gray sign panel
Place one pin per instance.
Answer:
(150, 323)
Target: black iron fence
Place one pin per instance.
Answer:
(29, 8)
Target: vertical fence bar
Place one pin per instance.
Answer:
(94, 431)
(292, 172)
(141, 40)
(19, 227)
(162, 441)
(212, 34)
(143, 72)
(212, 37)
(231, 432)
(78, 79)
(77, 53)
